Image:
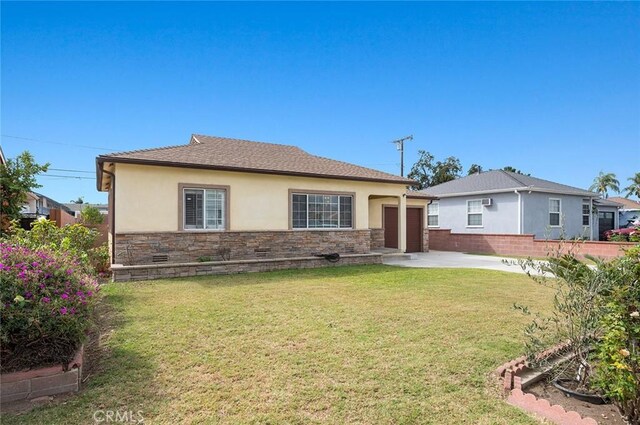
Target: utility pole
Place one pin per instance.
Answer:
(400, 146)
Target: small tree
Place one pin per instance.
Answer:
(80, 200)
(511, 169)
(17, 179)
(91, 215)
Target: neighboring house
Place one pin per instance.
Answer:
(77, 208)
(502, 202)
(629, 211)
(256, 200)
(39, 206)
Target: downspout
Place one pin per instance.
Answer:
(113, 212)
(519, 211)
(591, 219)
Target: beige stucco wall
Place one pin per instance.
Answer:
(147, 197)
(375, 209)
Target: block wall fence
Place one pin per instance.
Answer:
(520, 245)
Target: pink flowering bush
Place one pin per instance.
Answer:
(46, 304)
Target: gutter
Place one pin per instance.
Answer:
(523, 189)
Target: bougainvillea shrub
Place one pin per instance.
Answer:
(46, 305)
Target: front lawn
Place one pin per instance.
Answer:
(369, 344)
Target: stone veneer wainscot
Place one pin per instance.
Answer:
(184, 247)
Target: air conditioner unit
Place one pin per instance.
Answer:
(487, 202)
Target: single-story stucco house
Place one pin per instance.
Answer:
(502, 202)
(231, 199)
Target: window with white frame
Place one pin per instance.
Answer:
(474, 213)
(321, 211)
(586, 215)
(433, 214)
(555, 209)
(204, 208)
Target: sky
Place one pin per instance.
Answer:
(552, 89)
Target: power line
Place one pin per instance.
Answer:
(67, 177)
(8, 136)
(73, 171)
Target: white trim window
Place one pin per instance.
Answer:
(586, 215)
(204, 209)
(555, 210)
(474, 213)
(321, 211)
(433, 214)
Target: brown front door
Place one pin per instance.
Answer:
(390, 227)
(414, 228)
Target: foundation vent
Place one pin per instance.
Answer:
(160, 258)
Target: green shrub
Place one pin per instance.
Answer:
(91, 215)
(617, 352)
(46, 303)
(75, 240)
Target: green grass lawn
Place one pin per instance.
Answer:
(369, 344)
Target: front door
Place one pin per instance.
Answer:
(605, 222)
(414, 228)
(390, 227)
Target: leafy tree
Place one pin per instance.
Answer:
(91, 215)
(422, 170)
(511, 169)
(80, 200)
(603, 182)
(634, 188)
(17, 179)
(429, 173)
(447, 170)
(474, 169)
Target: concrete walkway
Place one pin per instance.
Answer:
(453, 260)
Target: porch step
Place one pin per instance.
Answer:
(398, 256)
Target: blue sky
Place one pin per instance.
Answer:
(550, 88)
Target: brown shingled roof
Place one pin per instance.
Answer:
(222, 153)
(628, 204)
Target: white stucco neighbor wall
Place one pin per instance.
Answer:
(500, 217)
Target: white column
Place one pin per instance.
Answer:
(402, 223)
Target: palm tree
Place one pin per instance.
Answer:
(604, 182)
(634, 188)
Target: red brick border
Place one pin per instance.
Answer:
(511, 375)
(33, 383)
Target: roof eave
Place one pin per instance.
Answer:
(104, 158)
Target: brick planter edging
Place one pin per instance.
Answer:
(45, 381)
(511, 375)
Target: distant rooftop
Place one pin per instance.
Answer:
(627, 204)
(502, 181)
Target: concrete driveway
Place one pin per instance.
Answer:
(453, 260)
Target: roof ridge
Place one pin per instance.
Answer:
(245, 140)
(510, 175)
(144, 150)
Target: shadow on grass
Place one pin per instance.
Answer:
(116, 377)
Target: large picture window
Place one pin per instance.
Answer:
(433, 214)
(321, 211)
(474, 213)
(555, 209)
(204, 208)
